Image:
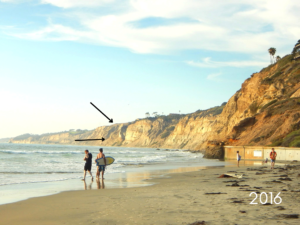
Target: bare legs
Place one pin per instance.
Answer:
(84, 173)
(98, 174)
(272, 165)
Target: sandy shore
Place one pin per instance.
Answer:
(176, 199)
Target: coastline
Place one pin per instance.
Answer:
(134, 177)
(23, 182)
(177, 198)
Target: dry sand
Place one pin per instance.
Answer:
(177, 199)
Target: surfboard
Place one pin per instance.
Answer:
(109, 160)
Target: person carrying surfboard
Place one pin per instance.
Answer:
(88, 164)
(100, 168)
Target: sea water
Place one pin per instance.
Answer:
(29, 170)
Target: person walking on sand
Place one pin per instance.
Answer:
(102, 167)
(88, 164)
(238, 158)
(273, 156)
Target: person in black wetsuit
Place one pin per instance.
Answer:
(88, 164)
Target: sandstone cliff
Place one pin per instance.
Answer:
(265, 111)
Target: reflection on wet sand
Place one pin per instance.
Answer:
(87, 187)
(252, 163)
(100, 184)
(141, 178)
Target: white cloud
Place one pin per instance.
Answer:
(55, 32)
(14, 1)
(76, 3)
(214, 76)
(208, 63)
(229, 26)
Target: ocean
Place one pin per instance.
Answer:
(32, 170)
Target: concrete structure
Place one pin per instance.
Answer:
(261, 152)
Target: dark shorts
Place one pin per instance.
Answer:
(101, 168)
(88, 167)
(273, 160)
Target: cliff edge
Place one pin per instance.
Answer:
(265, 111)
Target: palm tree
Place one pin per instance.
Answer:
(147, 114)
(154, 114)
(272, 52)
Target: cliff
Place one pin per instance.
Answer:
(265, 111)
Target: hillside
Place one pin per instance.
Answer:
(265, 111)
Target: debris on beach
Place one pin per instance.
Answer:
(231, 175)
(273, 181)
(233, 185)
(267, 203)
(283, 175)
(285, 178)
(288, 216)
(198, 223)
(238, 201)
(215, 193)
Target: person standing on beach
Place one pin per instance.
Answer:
(100, 168)
(273, 156)
(88, 164)
(238, 158)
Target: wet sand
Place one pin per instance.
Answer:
(183, 198)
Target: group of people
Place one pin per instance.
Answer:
(88, 164)
(273, 156)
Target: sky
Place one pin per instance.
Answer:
(129, 57)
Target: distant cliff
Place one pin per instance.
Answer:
(265, 111)
(170, 131)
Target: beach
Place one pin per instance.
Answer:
(177, 198)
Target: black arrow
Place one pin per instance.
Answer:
(110, 120)
(102, 139)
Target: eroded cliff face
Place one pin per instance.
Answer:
(266, 109)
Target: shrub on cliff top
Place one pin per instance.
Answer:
(212, 111)
(23, 136)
